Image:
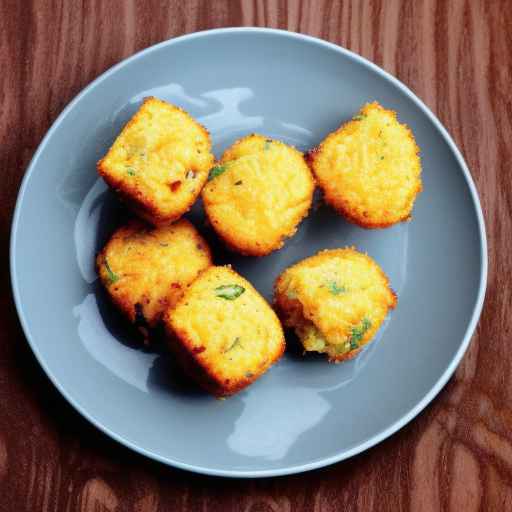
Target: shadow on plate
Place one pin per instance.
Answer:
(166, 375)
(117, 325)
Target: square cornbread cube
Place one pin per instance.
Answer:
(159, 162)
(369, 169)
(257, 194)
(335, 301)
(223, 332)
(145, 269)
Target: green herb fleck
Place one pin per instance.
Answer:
(358, 333)
(342, 348)
(229, 291)
(216, 171)
(335, 289)
(382, 158)
(190, 175)
(239, 182)
(266, 147)
(359, 117)
(249, 374)
(161, 244)
(113, 277)
(131, 171)
(235, 343)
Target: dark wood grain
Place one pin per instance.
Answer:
(457, 455)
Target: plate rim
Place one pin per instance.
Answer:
(315, 463)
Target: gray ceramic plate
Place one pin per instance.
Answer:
(304, 413)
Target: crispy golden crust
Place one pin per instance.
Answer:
(206, 376)
(145, 270)
(369, 169)
(144, 206)
(335, 301)
(224, 344)
(159, 162)
(345, 357)
(261, 197)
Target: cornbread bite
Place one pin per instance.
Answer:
(257, 194)
(223, 332)
(369, 169)
(159, 162)
(335, 301)
(145, 269)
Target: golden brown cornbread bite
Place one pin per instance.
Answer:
(145, 269)
(159, 162)
(369, 169)
(224, 332)
(257, 194)
(335, 301)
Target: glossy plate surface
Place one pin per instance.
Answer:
(304, 413)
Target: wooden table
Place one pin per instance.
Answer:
(457, 455)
